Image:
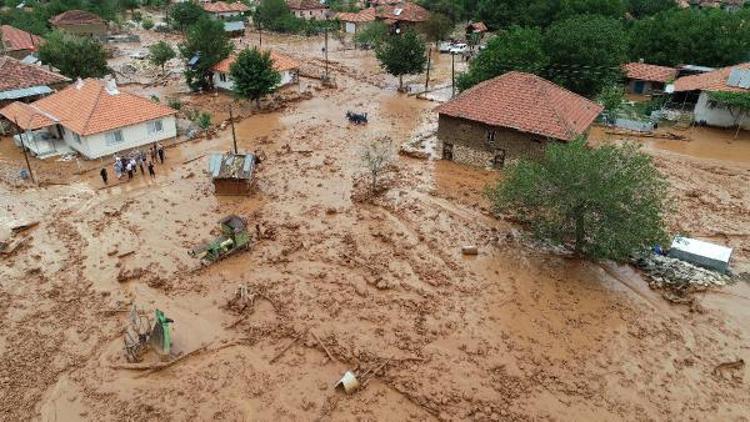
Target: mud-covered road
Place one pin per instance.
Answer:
(511, 334)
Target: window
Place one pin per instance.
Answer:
(223, 77)
(113, 138)
(155, 126)
(77, 137)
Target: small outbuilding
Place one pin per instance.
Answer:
(80, 22)
(704, 254)
(351, 23)
(511, 116)
(232, 174)
(285, 65)
(645, 79)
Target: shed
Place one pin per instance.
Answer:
(698, 252)
(232, 174)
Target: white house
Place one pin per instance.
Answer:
(92, 117)
(285, 65)
(353, 22)
(223, 11)
(308, 9)
(729, 79)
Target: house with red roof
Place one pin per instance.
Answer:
(308, 9)
(645, 79)
(92, 117)
(26, 82)
(285, 65)
(708, 112)
(18, 43)
(402, 15)
(353, 22)
(222, 11)
(508, 117)
(79, 22)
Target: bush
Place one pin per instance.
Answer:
(147, 23)
(203, 120)
(175, 103)
(137, 16)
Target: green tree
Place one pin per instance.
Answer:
(642, 8)
(610, 8)
(737, 103)
(372, 34)
(517, 49)
(76, 57)
(453, 9)
(181, 15)
(275, 15)
(586, 52)
(147, 23)
(207, 40)
(499, 14)
(607, 202)
(437, 27)
(160, 53)
(253, 75)
(611, 98)
(705, 37)
(402, 55)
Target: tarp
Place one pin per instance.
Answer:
(234, 26)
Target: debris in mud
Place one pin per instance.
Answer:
(348, 382)
(724, 367)
(674, 274)
(470, 250)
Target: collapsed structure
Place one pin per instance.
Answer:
(232, 174)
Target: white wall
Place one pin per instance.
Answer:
(717, 115)
(95, 146)
(350, 27)
(287, 77)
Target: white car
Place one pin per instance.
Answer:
(459, 48)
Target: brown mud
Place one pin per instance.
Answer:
(511, 334)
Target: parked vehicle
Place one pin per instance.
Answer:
(459, 48)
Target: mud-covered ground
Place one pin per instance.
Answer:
(379, 288)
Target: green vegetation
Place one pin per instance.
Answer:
(147, 23)
(253, 74)
(182, 15)
(35, 19)
(208, 40)
(160, 53)
(372, 34)
(607, 202)
(274, 15)
(611, 98)
(517, 49)
(437, 27)
(738, 104)
(175, 103)
(203, 120)
(76, 57)
(402, 55)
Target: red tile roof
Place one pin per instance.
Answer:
(281, 62)
(76, 17)
(14, 39)
(17, 75)
(710, 81)
(649, 72)
(477, 27)
(87, 108)
(222, 7)
(305, 5)
(27, 116)
(366, 15)
(526, 103)
(405, 11)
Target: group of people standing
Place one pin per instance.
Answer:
(134, 161)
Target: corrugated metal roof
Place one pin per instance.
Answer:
(231, 166)
(739, 77)
(25, 92)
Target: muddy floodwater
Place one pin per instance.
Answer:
(379, 287)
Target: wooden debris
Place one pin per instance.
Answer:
(23, 227)
(123, 255)
(190, 160)
(470, 250)
(662, 135)
(287, 347)
(328, 352)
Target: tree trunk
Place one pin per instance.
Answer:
(257, 102)
(401, 83)
(580, 232)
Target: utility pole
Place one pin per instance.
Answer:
(427, 79)
(23, 147)
(260, 36)
(234, 137)
(453, 75)
(325, 49)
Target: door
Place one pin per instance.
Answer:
(498, 160)
(448, 152)
(351, 27)
(639, 86)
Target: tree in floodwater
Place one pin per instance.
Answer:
(376, 156)
(253, 74)
(402, 55)
(607, 202)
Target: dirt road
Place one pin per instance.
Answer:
(512, 334)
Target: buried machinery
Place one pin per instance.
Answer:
(234, 237)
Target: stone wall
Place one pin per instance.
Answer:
(471, 145)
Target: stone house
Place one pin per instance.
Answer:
(707, 112)
(508, 117)
(80, 22)
(17, 43)
(645, 79)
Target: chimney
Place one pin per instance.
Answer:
(110, 84)
(79, 83)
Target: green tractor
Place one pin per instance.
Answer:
(234, 237)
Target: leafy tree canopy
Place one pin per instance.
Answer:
(207, 39)
(498, 14)
(437, 27)
(607, 202)
(275, 15)
(611, 98)
(253, 74)
(76, 57)
(586, 52)
(372, 34)
(738, 104)
(704, 37)
(402, 55)
(517, 49)
(160, 53)
(643, 8)
(182, 15)
(610, 8)
(453, 9)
